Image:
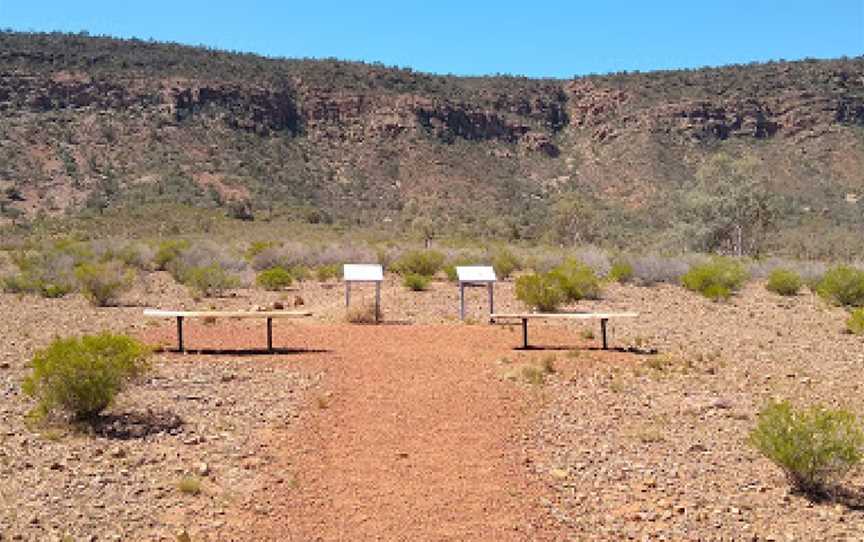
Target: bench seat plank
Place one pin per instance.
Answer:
(156, 313)
(602, 316)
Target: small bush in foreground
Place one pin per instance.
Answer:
(843, 285)
(813, 446)
(716, 279)
(275, 278)
(576, 280)
(416, 282)
(855, 323)
(419, 262)
(784, 282)
(362, 314)
(539, 291)
(189, 485)
(103, 283)
(82, 376)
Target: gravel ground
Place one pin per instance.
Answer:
(617, 445)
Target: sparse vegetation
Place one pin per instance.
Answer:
(716, 279)
(416, 282)
(419, 262)
(539, 291)
(82, 376)
(208, 281)
(274, 279)
(784, 282)
(621, 271)
(361, 314)
(855, 322)
(576, 280)
(103, 283)
(843, 285)
(813, 446)
(505, 263)
(189, 485)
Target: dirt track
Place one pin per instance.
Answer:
(415, 436)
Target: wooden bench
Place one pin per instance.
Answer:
(602, 316)
(181, 315)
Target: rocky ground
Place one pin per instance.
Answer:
(613, 445)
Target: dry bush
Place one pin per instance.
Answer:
(652, 269)
(103, 283)
(361, 314)
(596, 259)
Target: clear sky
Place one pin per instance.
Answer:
(535, 38)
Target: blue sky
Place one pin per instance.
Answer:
(540, 38)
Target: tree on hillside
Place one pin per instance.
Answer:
(730, 208)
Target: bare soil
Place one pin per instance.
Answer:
(426, 429)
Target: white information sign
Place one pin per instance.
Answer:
(476, 273)
(355, 272)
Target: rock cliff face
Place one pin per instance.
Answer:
(80, 115)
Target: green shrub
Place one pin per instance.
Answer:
(256, 248)
(83, 375)
(275, 278)
(326, 272)
(716, 279)
(103, 283)
(812, 445)
(49, 274)
(416, 282)
(621, 271)
(168, 251)
(299, 272)
(855, 323)
(784, 282)
(576, 280)
(208, 281)
(843, 285)
(505, 263)
(540, 291)
(419, 262)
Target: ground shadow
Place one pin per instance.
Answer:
(850, 497)
(136, 425)
(244, 351)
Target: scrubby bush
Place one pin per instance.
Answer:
(540, 291)
(329, 271)
(208, 281)
(362, 314)
(621, 271)
(812, 446)
(595, 258)
(419, 262)
(257, 247)
(416, 282)
(168, 251)
(505, 263)
(576, 280)
(843, 285)
(653, 269)
(49, 274)
(855, 323)
(783, 282)
(103, 283)
(275, 278)
(715, 279)
(82, 376)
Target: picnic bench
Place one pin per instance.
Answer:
(181, 315)
(602, 316)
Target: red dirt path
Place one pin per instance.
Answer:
(419, 438)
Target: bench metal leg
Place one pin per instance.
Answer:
(269, 334)
(603, 333)
(525, 333)
(180, 334)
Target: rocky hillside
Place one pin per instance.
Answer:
(90, 124)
